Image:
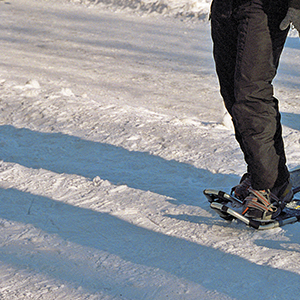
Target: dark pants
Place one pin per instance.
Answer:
(247, 46)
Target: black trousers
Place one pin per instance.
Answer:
(247, 47)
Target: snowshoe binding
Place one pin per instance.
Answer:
(258, 209)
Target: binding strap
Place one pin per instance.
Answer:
(257, 201)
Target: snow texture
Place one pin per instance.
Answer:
(111, 125)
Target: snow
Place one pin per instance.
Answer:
(111, 127)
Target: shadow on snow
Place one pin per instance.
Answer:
(62, 153)
(208, 267)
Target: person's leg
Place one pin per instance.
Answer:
(228, 34)
(224, 35)
(255, 110)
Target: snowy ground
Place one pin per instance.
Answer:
(111, 126)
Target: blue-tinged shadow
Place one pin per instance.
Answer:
(185, 260)
(63, 153)
(292, 42)
(291, 120)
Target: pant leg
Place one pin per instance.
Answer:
(255, 110)
(224, 34)
(246, 52)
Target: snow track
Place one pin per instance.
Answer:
(111, 125)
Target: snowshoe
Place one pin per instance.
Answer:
(231, 208)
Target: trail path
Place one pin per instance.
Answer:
(111, 125)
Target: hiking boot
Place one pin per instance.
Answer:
(282, 194)
(258, 205)
(241, 190)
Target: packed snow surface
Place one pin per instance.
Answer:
(111, 126)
